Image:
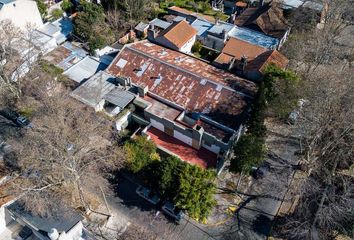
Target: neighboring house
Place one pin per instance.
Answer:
(18, 223)
(215, 34)
(190, 108)
(159, 24)
(248, 60)
(59, 29)
(267, 18)
(179, 36)
(22, 13)
(254, 69)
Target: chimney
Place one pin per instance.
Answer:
(217, 21)
(232, 64)
(152, 33)
(143, 91)
(224, 34)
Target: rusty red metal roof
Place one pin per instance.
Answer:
(191, 83)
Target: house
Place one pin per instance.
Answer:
(189, 108)
(179, 36)
(215, 34)
(254, 70)
(103, 92)
(22, 13)
(248, 60)
(60, 29)
(16, 222)
(267, 18)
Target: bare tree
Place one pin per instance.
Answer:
(65, 157)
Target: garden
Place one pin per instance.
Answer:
(188, 187)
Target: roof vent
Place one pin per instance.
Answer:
(163, 52)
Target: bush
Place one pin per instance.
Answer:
(197, 47)
(140, 152)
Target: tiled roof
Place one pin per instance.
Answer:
(238, 49)
(269, 18)
(179, 33)
(266, 58)
(186, 81)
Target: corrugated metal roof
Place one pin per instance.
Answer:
(119, 97)
(202, 26)
(160, 23)
(94, 89)
(84, 69)
(254, 37)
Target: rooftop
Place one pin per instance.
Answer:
(202, 26)
(64, 221)
(268, 18)
(159, 23)
(238, 49)
(187, 12)
(179, 33)
(190, 83)
(84, 69)
(266, 58)
(94, 89)
(202, 157)
(254, 37)
(162, 110)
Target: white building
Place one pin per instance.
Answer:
(22, 13)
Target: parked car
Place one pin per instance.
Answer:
(171, 210)
(148, 195)
(261, 171)
(18, 119)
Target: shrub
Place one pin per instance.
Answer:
(140, 152)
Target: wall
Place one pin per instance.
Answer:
(22, 13)
(122, 122)
(187, 48)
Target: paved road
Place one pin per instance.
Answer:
(137, 210)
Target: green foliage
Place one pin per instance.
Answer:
(140, 153)
(67, 6)
(51, 69)
(90, 26)
(167, 175)
(42, 7)
(56, 13)
(196, 191)
(197, 47)
(281, 90)
(249, 152)
(256, 122)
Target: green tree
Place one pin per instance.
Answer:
(56, 13)
(67, 6)
(42, 7)
(90, 26)
(249, 152)
(196, 191)
(167, 175)
(256, 122)
(140, 152)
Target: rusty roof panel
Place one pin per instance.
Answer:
(189, 82)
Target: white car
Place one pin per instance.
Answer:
(147, 195)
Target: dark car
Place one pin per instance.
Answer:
(148, 195)
(15, 117)
(171, 210)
